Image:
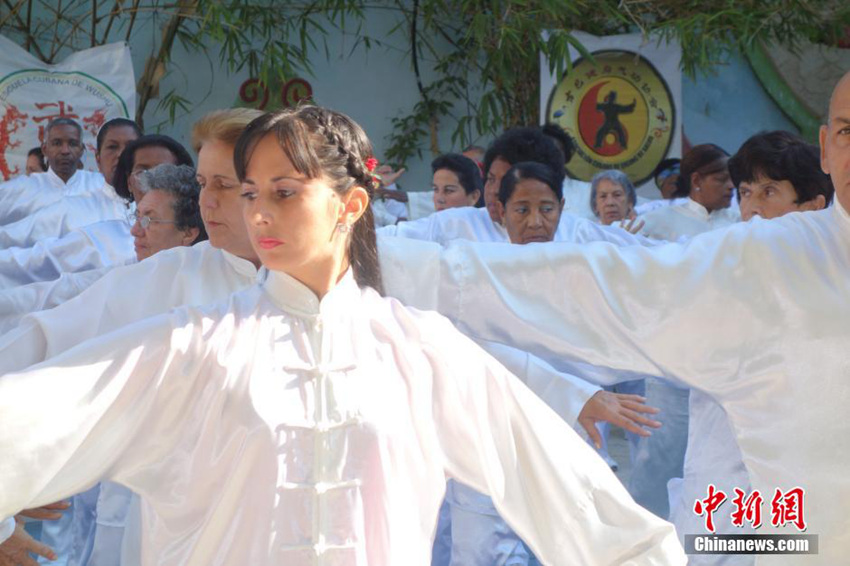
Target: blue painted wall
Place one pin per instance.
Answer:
(728, 106)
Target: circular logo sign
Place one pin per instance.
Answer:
(619, 111)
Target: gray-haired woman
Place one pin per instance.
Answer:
(168, 215)
(612, 197)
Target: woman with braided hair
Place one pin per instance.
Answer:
(308, 419)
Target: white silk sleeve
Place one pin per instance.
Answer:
(546, 482)
(116, 407)
(564, 393)
(99, 245)
(420, 229)
(19, 301)
(626, 308)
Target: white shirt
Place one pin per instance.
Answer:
(171, 278)
(475, 224)
(276, 429)
(17, 302)
(686, 220)
(196, 275)
(420, 204)
(21, 196)
(94, 246)
(577, 198)
(754, 315)
(61, 217)
(648, 206)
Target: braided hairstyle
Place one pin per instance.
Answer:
(323, 143)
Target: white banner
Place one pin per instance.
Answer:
(623, 108)
(91, 87)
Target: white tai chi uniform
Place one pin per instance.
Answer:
(94, 246)
(24, 195)
(275, 428)
(61, 217)
(186, 275)
(480, 537)
(685, 220)
(755, 315)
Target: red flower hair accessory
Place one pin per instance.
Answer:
(371, 164)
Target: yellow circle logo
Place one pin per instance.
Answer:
(619, 111)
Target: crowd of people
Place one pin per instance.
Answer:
(275, 355)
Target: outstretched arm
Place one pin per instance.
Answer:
(546, 482)
(631, 309)
(102, 409)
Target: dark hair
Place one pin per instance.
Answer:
(782, 156)
(180, 182)
(124, 168)
(704, 159)
(324, 143)
(524, 144)
(467, 171)
(116, 123)
(665, 166)
(40, 155)
(63, 122)
(564, 141)
(530, 170)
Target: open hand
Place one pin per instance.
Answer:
(16, 550)
(625, 411)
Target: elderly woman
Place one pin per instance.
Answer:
(612, 197)
(168, 215)
(456, 182)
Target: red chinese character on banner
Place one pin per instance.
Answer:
(749, 508)
(788, 508)
(709, 505)
(62, 112)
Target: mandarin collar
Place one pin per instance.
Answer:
(296, 298)
(242, 265)
(696, 207)
(56, 179)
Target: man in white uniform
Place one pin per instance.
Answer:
(63, 148)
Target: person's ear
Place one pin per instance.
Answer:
(501, 210)
(824, 165)
(473, 197)
(354, 205)
(695, 180)
(562, 205)
(817, 203)
(189, 236)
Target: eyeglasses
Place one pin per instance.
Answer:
(145, 221)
